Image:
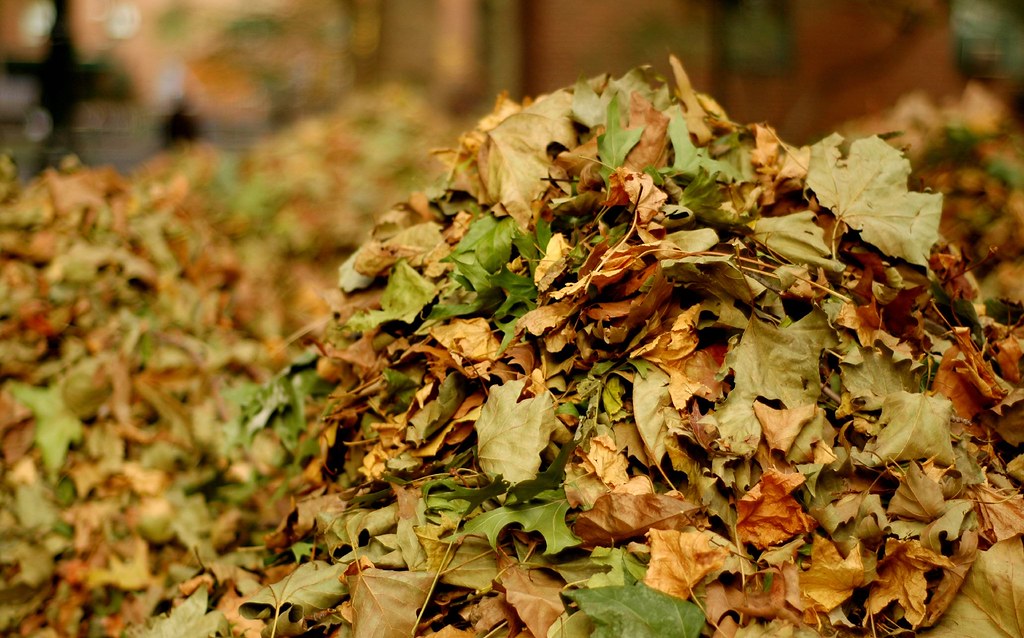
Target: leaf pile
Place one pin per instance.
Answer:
(132, 347)
(638, 370)
(972, 151)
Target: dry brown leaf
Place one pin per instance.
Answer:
(618, 517)
(901, 578)
(536, 597)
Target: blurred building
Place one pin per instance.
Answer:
(242, 67)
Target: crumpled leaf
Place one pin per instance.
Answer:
(771, 363)
(901, 578)
(406, 295)
(190, 618)
(638, 611)
(768, 514)
(868, 190)
(514, 161)
(311, 588)
(831, 579)
(991, 601)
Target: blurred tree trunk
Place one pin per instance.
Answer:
(504, 47)
(58, 89)
(457, 54)
(365, 18)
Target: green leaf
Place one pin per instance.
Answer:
(616, 142)
(57, 427)
(547, 518)
(450, 489)
(280, 403)
(703, 196)
(690, 159)
(913, 426)
(190, 618)
(406, 294)
(797, 238)
(638, 611)
(550, 479)
(311, 588)
(385, 603)
(512, 433)
(868, 191)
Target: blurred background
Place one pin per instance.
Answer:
(116, 81)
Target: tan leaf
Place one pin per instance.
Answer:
(674, 344)
(1000, 514)
(768, 515)
(918, 497)
(556, 249)
(535, 596)
(605, 460)
(470, 338)
(901, 578)
(831, 579)
(680, 560)
(547, 317)
(781, 427)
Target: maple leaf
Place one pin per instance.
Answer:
(681, 560)
(543, 515)
(768, 514)
(512, 433)
(514, 161)
(868, 191)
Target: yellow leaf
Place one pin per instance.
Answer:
(831, 578)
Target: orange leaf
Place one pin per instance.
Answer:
(768, 515)
(680, 560)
